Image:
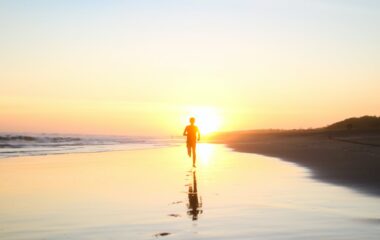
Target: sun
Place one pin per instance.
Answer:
(207, 119)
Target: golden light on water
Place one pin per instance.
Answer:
(205, 153)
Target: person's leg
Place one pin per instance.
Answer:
(194, 154)
(188, 149)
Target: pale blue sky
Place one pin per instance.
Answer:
(319, 59)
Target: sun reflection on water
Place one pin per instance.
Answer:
(205, 153)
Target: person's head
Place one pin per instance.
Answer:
(192, 120)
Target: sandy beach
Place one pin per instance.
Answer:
(190, 120)
(154, 193)
(350, 159)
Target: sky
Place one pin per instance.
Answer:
(144, 67)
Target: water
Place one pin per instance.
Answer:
(154, 193)
(14, 145)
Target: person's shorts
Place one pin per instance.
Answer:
(191, 143)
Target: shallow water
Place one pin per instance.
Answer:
(17, 145)
(154, 193)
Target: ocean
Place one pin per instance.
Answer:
(13, 144)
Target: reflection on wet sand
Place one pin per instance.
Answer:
(194, 206)
(130, 195)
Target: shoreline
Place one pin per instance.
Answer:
(155, 192)
(88, 151)
(346, 161)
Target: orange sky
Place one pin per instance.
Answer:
(144, 68)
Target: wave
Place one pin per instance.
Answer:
(12, 145)
(7, 138)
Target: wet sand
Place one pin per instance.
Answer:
(155, 194)
(347, 159)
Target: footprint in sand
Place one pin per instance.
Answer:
(174, 215)
(162, 234)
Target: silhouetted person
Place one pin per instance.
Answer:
(193, 134)
(194, 206)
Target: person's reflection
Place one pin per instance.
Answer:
(194, 207)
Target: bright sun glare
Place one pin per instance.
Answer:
(207, 119)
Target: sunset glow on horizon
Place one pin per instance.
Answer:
(144, 68)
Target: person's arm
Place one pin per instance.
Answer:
(185, 132)
(199, 134)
